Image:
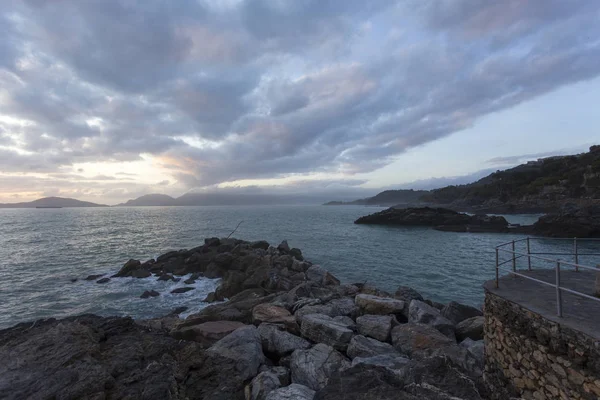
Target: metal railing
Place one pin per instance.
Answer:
(510, 248)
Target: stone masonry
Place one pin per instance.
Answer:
(529, 356)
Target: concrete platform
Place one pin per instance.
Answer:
(579, 313)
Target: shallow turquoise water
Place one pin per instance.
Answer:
(41, 250)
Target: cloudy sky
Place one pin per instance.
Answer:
(105, 100)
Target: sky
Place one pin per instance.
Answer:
(107, 100)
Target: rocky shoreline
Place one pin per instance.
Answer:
(289, 330)
(582, 222)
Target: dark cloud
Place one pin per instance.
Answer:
(261, 89)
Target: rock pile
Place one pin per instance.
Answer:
(290, 330)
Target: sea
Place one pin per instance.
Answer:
(45, 254)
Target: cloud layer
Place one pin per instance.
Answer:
(225, 91)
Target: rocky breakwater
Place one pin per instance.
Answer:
(290, 330)
(581, 222)
(439, 218)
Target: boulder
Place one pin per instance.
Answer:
(261, 386)
(282, 373)
(149, 293)
(182, 289)
(375, 326)
(315, 366)
(476, 348)
(189, 281)
(345, 306)
(292, 392)
(370, 304)
(423, 313)
(128, 268)
(471, 328)
(321, 276)
(407, 294)
(166, 277)
(271, 313)
(419, 341)
(207, 332)
(457, 312)
(212, 242)
(141, 273)
(93, 277)
(387, 360)
(284, 247)
(103, 280)
(280, 342)
(581, 222)
(297, 254)
(361, 346)
(323, 329)
(243, 347)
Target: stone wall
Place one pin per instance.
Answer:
(531, 357)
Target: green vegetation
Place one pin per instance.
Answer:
(549, 179)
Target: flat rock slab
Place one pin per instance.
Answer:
(361, 346)
(206, 332)
(370, 304)
(375, 326)
(323, 329)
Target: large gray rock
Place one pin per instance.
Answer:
(345, 306)
(315, 366)
(419, 341)
(407, 294)
(361, 346)
(244, 347)
(347, 322)
(422, 313)
(261, 386)
(323, 329)
(470, 328)
(476, 348)
(375, 326)
(280, 342)
(457, 312)
(391, 361)
(370, 304)
(321, 276)
(292, 392)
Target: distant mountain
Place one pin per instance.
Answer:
(155, 199)
(51, 202)
(544, 185)
(387, 198)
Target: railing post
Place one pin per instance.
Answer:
(558, 292)
(576, 251)
(496, 268)
(514, 260)
(528, 254)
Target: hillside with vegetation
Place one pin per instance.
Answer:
(544, 185)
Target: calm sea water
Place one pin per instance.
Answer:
(41, 250)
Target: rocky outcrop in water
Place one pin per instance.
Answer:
(439, 218)
(581, 222)
(285, 333)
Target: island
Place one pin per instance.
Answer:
(52, 202)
